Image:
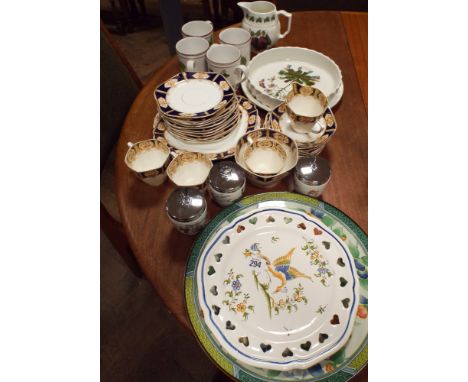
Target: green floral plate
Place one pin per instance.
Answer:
(340, 366)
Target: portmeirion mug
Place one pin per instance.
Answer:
(191, 52)
(226, 59)
(148, 159)
(240, 38)
(305, 105)
(198, 28)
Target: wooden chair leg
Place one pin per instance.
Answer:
(114, 231)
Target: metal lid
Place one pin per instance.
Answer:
(313, 170)
(185, 204)
(226, 176)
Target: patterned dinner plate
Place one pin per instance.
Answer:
(276, 283)
(216, 150)
(193, 95)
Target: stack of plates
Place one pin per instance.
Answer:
(308, 144)
(272, 72)
(198, 107)
(275, 285)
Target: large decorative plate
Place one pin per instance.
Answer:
(269, 105)
(339, 367)
(220, 149)
(193, 95)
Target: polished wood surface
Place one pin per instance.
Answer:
(356, 31)
(160, 250)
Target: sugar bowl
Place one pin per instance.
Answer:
(186, 208)
(226, 183)
(311, 176)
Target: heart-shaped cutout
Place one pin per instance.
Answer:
(335, 320)
(214, 290)
(301, 226)
(340, 262)
(218, 257)
(240, 228)
(230, 326)
(306, 346)
(211, 270)
(326, 244)
(226, 240)
(253, 221)
(216, 309)
(287, 220)
(270, 219)
(317, 231)
(346, 302)
(265, 347)
(244, 341)
(322, 337)
(343, 282)
(287, 353)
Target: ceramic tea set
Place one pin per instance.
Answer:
(202, 118)
(271, 284)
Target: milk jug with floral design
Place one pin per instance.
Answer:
(261, 20)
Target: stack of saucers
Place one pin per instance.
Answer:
(308, 144)
(198, 107)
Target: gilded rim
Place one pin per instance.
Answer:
(252, 122)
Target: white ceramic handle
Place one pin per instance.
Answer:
(289, 17)
(244, 72)
(190, 66)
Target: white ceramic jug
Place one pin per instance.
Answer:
(261, 20)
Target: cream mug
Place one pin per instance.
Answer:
(239, 38)
(226, 60)
(148, 159)
(198, 28)
(191, 53)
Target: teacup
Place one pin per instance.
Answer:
(226, 59)
(189, 169)
(148, 159)
(288, 144)
(239, 38)
(198, 28)
(265, 157)
(305, 105)
(191, 52)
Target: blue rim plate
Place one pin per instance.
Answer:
(161, 92)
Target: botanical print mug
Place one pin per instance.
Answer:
(191, 52)
(239, 38)
(149, 160)
(198, 28)
(226, 59)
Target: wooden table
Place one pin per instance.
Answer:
(160, 250)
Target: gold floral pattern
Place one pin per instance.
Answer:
(224, 85)
(145, 145)
(329, 120)
(252, 119)
(201, 75)
(282, 108)
(170, 83)
(275, 125)
(162, 102)
(246, 105)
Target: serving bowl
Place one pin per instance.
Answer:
(266, 180)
